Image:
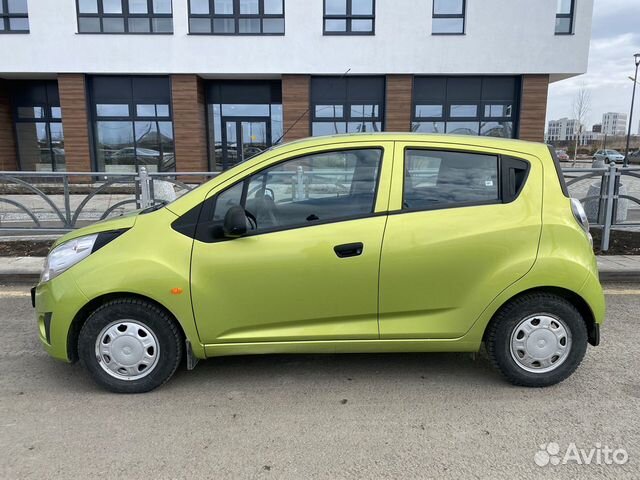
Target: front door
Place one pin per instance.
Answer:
(243, 138)
(309, 269)
(456, 240)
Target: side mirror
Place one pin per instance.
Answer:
(235, 222)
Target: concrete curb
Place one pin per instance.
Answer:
(27, 269)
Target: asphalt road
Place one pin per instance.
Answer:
(298, 417)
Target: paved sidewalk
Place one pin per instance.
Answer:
(612, 268)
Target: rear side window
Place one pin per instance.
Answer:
(440, 179)
(556, 163)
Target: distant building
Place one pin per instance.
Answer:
(563, 130)
(614, 124)
(597, 128)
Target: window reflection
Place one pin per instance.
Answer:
(38, 126)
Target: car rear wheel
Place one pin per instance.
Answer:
(130, 346)
(536, 340)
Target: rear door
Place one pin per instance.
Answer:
(464, 224)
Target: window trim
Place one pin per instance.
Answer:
(202, 233)
(125, 15)
(237, 16)
(6, 16)
(462, 15)
(500, 179)
(570, 16)
(348, 17)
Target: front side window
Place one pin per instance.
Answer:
(133, 124)
(564, 17)
(236, 17)
(349, 17)
(38, 124)
(14, 16)
(448, 17)
(346, 105)
(317, 188)
(125, 16)
(437, 179)
(465, 105)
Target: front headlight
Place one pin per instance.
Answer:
(66, 256)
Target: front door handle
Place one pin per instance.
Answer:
(349, 249)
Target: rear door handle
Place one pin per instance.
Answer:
(349, 249)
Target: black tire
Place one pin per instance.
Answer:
(499, 335)
(157, 321)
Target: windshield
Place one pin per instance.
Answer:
(612, 152)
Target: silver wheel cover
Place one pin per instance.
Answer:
(540, 343)
(127, 350)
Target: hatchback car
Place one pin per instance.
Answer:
(356, 243)
(608, 156)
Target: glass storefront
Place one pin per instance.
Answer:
(132, 123)
(346, 105)
(466, 105)
(244, 118)
(38, 126)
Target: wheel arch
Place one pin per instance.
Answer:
(572, 297)
(83, 314)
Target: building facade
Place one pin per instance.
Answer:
(199, 85)
(563, 130)
(614, 124)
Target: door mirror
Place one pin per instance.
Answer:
(235, 222)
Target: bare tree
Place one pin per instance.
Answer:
(581, 108)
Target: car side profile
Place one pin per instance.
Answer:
(353, 243)
(608, 156)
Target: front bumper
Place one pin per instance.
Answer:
(57, 302)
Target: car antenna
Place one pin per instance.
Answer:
(303, 114)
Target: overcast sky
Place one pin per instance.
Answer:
(614, 40)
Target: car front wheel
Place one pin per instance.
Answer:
(537, 340)
(129, 345)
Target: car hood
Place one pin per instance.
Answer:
(127, 220)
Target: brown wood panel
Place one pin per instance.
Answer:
(8, 153)
(533, 107)
(75, 122)
(399, 100)
(296, 99)
(189, 125)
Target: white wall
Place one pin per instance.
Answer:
(503, 37)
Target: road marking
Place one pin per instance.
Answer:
(14, 294)
(622, 292)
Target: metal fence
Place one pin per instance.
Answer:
(56, 202)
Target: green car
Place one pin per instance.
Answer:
(355, 243)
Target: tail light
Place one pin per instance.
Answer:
(581, 217)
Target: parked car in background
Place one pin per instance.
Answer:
(341, 244)
(562, 155)
(634, 157)
(608, 156)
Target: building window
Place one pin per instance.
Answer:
(349, 17)
(38, 124)
(236, 17)
(465, 105)
(132, 123)
(244, 119)
(564, 17)
(448, 17)
(346, 105)
(14, 16)
(125, 16)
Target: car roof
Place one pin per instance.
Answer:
(468, 140)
